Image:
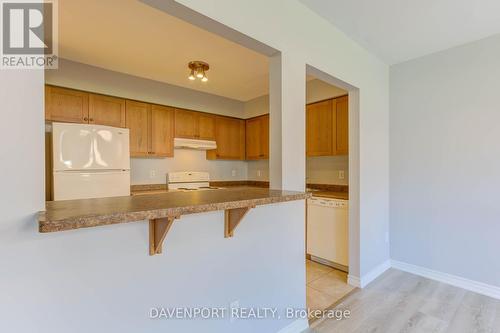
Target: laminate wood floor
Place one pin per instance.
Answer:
(402, 302)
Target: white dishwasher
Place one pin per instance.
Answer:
(328, 231)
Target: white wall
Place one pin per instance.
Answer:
(325, 170)
(302, 33)
(257, 106)
(319, 170)
(184, 160)
(445, 161)
(317, 90)
(146, 170)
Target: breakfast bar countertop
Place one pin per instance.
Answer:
(84, 213)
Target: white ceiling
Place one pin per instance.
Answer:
(130, 37)
(400, 30)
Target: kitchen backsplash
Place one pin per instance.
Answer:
(319, 170)
(327, 170)
(154, 170)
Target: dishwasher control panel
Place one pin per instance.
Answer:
(327, 202)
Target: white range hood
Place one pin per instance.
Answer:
(194, 144)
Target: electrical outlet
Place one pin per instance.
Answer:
(259, 173)
(152, 173)
(341, 174)
(233, 173)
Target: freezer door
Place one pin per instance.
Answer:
(69, 185)
(111, 147)
(90, 147)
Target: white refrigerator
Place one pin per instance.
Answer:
(90, 161)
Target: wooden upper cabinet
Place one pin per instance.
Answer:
(194, 125)
(342, 113)
(264, 143)
(162, 131)
(320, 126)
(186, 124)
(106, 110)
(230, 138)
(138, 122)
(66, 105)
(74, 106)
(206, 127)
(257, 138)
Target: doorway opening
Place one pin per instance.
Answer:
(328, 175)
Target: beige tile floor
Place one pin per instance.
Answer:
(325, 285)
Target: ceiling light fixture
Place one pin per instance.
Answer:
(198, 70)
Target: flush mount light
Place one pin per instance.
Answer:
(198, 69)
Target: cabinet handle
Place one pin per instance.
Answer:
(85, 119)
(91, 119)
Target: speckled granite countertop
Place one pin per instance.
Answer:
(75, 214)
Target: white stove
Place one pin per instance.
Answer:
(189, 181)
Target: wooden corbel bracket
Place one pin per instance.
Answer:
(233, 217)
(158, 229)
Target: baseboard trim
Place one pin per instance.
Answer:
(370, 276)
(296, 326)
(375, 273)
(354, 281)
(457, 281)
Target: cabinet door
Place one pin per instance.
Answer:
(230, 138)
(206, 127)
(320, 123)
(264, 142)
(257, 138)
(138, 122)
(106, 110)
(186, 124)
(162, 131)
(253, 138)
(66, 105)
(342, 125)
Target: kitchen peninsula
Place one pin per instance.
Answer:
(160, 209)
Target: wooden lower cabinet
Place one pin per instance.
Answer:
(106, 110)
(230, 138)
(162, 131)
(138, 123)
(257, 138)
